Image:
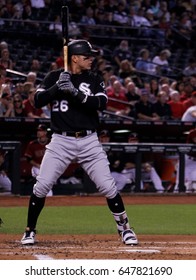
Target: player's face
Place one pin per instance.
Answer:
(85, 62)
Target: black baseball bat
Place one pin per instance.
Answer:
(65, 34)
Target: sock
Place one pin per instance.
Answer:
(117, 208)
(35, 206)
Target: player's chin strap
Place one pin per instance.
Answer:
(120, 216)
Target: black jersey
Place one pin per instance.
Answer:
(68, 113)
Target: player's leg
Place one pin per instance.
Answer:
(54, 163)
(5, 183)
(156, 180)
(96, 166)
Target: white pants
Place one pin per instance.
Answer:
(87, 151)
(145, 176)
(189, 174)
(35, 173)
(5, 183)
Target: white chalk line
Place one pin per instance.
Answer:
(156, 247)
(43, 257)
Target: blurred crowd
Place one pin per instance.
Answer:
(153, 96)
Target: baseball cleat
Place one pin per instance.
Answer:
(129, 237)
(28, 237)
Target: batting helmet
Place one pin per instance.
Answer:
(81, 47)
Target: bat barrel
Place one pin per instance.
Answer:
(65, 34)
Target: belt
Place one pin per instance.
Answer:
(76, 134)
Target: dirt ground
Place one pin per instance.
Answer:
(155, 247)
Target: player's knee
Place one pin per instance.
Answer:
(110, 192)
(40, 190)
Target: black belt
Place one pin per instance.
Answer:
(76, 134)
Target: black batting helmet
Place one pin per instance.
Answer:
(81, 47)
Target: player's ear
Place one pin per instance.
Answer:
(74, 58)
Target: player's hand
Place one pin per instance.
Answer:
(64, 83)
(64, 78)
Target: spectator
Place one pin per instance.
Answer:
(3, 45)
(100, 7)
(152, 98)
(161, 107)
(53, 66)
(187, 91)
(29, 106)
(18, 106)
(154, 87)
(26, 88)
(29, 17)
(35, 150)
(19, 88)
(189, 115)
(5, 59)
(38, 4)
(32, 77)
(56, 25)
(161, 62)
(154, 23)
(111, 81)
(17, 15)
(88, 18)
(182, 30)
(100, 20)
(177, 108)
(192, 81)
(143, 63)
(121, 52)
(190, 69)
(6, 102)
(5, 182)
(117, 92)
(166, 88)
(191, 101)
(120, 16)
(132, 93)
(164, 12)
(144, 108)
(126, 69)
(137, 18)
(100, 65)
(35, 66)
(107, 74)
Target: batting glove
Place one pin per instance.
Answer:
(64, 83)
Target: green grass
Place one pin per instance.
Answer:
(146, 219)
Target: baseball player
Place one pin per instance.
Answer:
(5, 182)
(35, 150)
(190, 166)
(75, 97)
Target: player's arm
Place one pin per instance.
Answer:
(47, 91)
(95, 101)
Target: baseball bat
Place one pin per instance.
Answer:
(65, 28)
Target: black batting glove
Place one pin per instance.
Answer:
(64, 83)
(63, 79)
